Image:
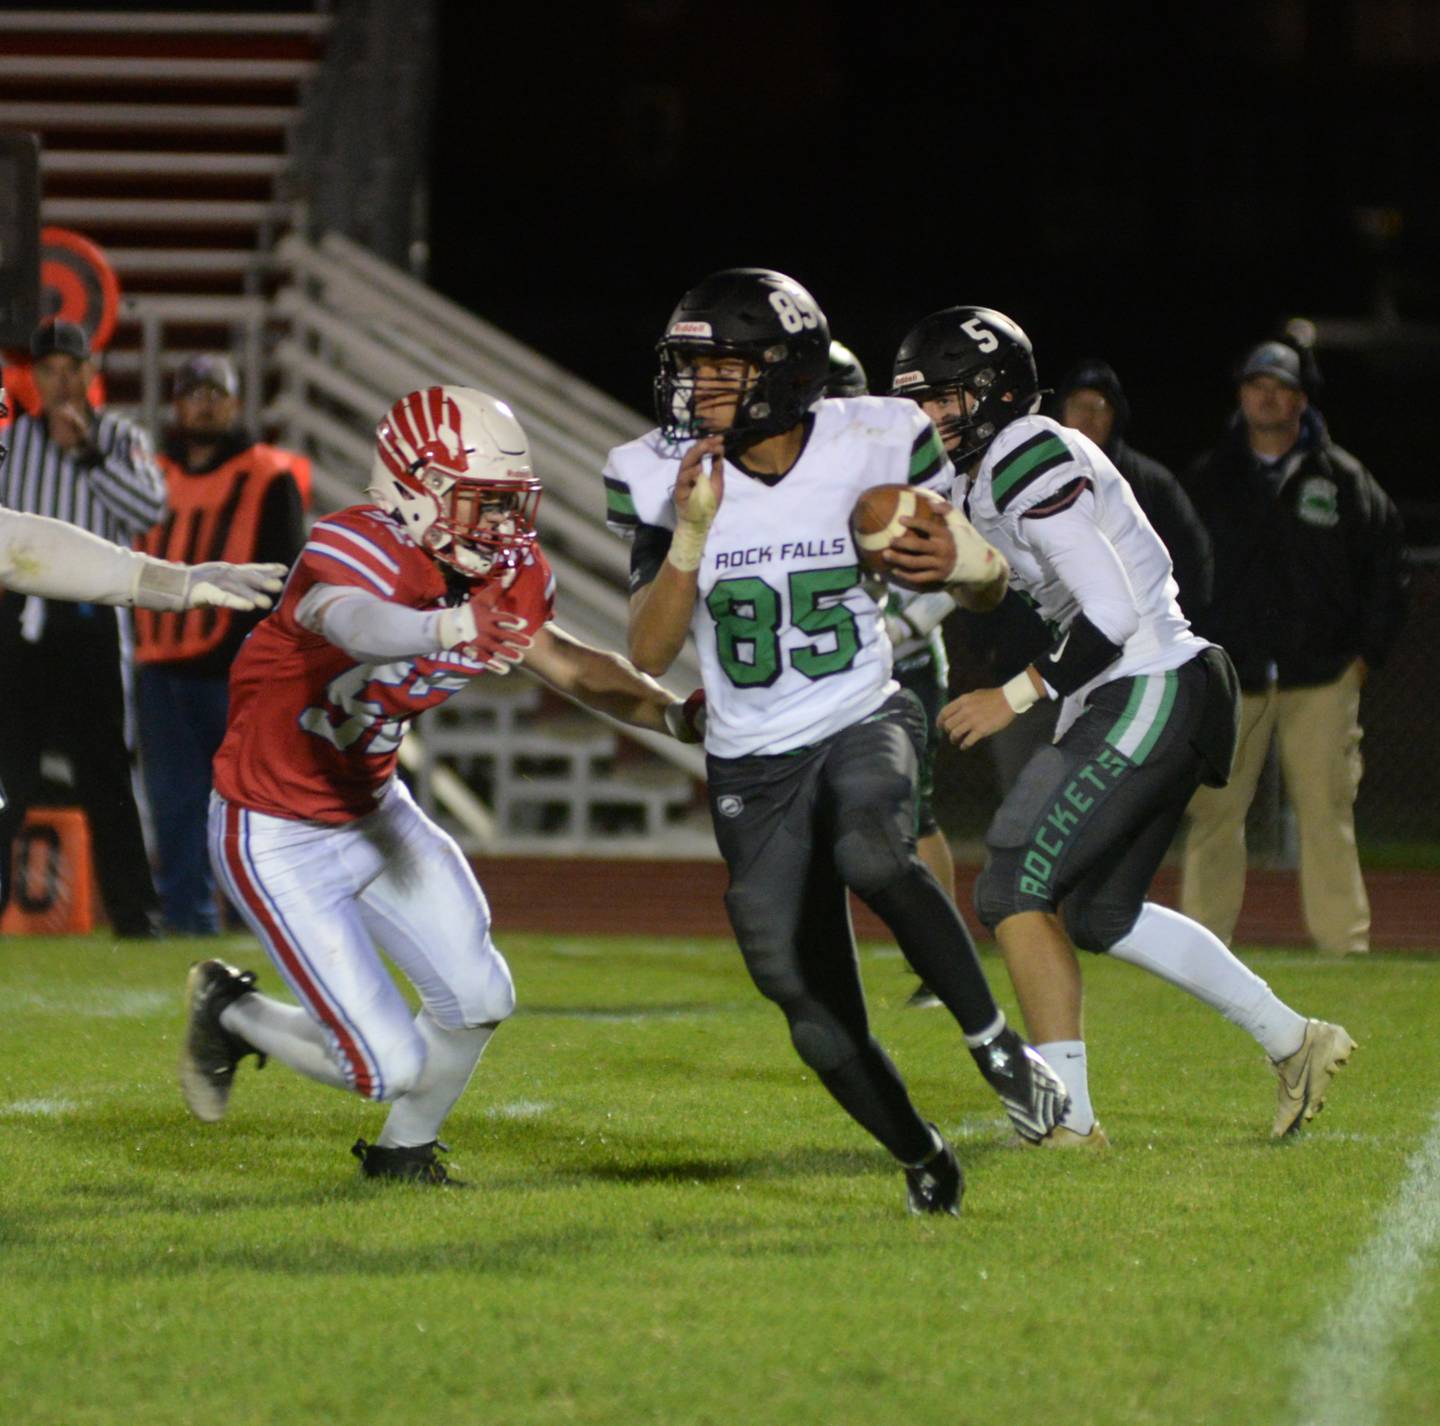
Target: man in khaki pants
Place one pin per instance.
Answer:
(1309, 595)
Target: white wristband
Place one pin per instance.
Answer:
(1020, 691)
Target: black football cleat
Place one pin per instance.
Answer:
(936, 1185)
(415, 1164)
(209, 1053)
(1034, 1096)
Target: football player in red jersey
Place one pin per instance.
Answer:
(390, 609)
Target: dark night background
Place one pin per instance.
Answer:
(1161, 191)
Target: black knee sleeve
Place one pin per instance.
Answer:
(820, 1039)
(1097, 923)
(768, 948)
(871, 852)
(1006, 888)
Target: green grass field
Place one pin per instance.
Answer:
(674, 1224)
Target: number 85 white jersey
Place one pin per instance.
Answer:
(791, 645)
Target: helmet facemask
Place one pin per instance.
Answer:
(982, 411)
(685, 400)
(751, 315)
(480, 526)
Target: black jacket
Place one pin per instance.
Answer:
(1309, 559)
(1158, 493)
(1170, 511)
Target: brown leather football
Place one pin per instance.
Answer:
(875, 521)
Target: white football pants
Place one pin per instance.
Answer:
(325, 900)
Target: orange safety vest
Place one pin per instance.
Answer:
(215, 516)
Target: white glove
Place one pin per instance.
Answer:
(170, 588)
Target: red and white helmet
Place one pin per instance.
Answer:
(454, 465)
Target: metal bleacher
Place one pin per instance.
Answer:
(176, 141)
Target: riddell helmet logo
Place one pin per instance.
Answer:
(422, 431)
(908, 378)
(691, 329)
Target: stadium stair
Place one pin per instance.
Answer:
(172, 140)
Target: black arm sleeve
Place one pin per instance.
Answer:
(1004, 640)
(648, 549)
(1082, 653)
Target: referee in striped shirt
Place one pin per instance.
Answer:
(62, 669)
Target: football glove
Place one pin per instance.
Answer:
(496, 638)
(170, 588)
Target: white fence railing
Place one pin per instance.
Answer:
(360, 332)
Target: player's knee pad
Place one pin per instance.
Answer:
(819, 1038)
(1097, 923)
(767, 947)
(997, 889)
(872, 853)
(484, 991)
(398, 1066)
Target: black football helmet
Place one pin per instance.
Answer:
(770, 321)
(975, 350)
(847, 376)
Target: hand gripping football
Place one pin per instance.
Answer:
(958, 554)
(876, 522)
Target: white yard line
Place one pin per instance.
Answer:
(1344, 1372)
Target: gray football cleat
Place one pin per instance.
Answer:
(209, 1053)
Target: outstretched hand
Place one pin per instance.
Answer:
(232, 586)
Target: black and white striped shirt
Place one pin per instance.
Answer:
(118, 498)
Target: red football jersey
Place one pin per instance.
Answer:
(315, 736)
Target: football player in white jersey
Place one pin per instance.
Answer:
(739, 510)
(1149, 713)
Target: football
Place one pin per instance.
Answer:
(875, 522)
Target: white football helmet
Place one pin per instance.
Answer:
(454, 465)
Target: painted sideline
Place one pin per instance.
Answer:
(1343, 1372)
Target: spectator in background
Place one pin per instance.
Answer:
(62, 666)
(1309, 595)
(1091, 400)
(234, 499)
